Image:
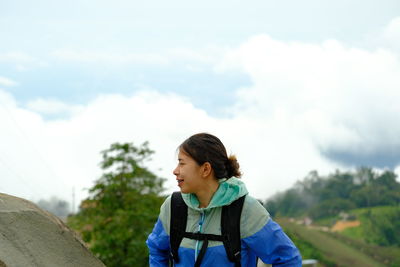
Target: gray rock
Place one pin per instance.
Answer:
(30, 236)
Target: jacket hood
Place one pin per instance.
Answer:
(228, 191)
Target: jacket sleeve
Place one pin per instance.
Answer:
(266, 238)
(273, 246)
(158, 240)
(158, 244)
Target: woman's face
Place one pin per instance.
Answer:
(188, 173)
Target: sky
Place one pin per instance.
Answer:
(288, 86)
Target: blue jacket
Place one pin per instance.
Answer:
(261, 237)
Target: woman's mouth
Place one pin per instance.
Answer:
(180, 181)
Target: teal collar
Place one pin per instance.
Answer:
(228, 191)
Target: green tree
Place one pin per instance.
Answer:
(331, 207)
(382, 227)
(122, 207)
(338, 185)
(289, 203)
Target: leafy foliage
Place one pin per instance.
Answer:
(122, 208)
(382, 226)
(331, 207)
(320, 196)
(325, 197)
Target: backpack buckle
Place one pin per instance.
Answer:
(237, 255)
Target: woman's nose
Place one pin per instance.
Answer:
(175, 171)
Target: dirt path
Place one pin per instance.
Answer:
(342, 225)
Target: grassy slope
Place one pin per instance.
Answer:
(389, 255)
(356, 236)
(357, 233)
(332, 249)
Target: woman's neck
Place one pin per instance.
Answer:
(204, 196)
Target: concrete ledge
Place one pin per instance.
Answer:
(30, 236)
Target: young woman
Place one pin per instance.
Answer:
(208, 181)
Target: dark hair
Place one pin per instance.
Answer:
(204, 147)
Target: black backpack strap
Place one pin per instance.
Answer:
(230, 229)
(205, 238)
(177, 223)
(202, 237)
(202, 253)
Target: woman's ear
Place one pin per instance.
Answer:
(207, 169)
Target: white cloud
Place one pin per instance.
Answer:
(7, 82)
(338, 96)
(53, 156)
(7, 100)
(16, 57)
(19, 158)
(391, 33)
(208, 55)
(58, 155)
(52, 107)
(21, 61)
(110, 58)
(50, 157)
(305, 98)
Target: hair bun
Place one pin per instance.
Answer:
(232, 167)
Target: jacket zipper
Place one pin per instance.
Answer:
(200, 228)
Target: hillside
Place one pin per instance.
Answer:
(348, 218)
(334, 249)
